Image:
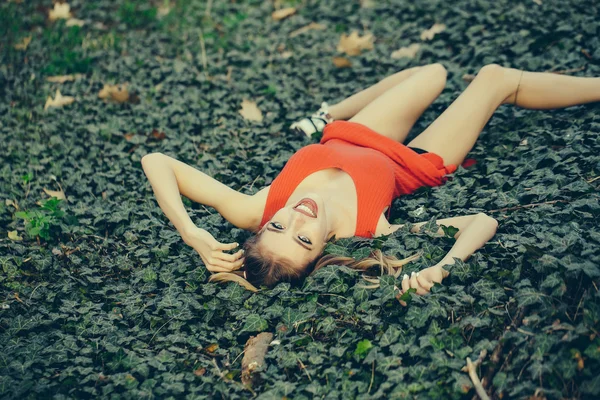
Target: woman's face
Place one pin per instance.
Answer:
(298, 232)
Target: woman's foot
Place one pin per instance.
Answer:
(313, 124)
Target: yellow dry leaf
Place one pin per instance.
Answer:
(63, 78)
(410, 51)
(250, 111)
(353, 44)
(75, 22)
(367, 3)
(116, 93)
(22, 45)
(59, 194)
(428, 34)
(10, 202)
(283, 13)
(58, 101)
(60, 11)
(12, 235)
(341, 62)
(312, 25)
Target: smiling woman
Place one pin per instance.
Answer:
(342, 186)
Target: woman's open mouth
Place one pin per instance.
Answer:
(307, 207)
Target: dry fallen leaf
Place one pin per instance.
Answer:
(286, 54)
(58, 101)
(22, 45)
(116, 93)
(12, 235)
(63, 78)
(428, 34)
(367, 3)
(250, 111)
(75, 22)
(10, 202)
(410, 51)
(283, 13)
(312, 25)
(60, 11)
(158, 135)
(353, 44)
(341, 62)
(59, 194)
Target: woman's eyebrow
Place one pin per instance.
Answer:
(296, 239)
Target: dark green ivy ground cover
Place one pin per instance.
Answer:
(104, 299)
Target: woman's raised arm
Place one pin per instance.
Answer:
(473, 232)
(170, 178)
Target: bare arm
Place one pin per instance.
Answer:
(473, 232)
(170, 178)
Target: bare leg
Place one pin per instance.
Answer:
(348, 107)
(394, 112)
(453, 134)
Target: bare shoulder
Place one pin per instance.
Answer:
(257, 204)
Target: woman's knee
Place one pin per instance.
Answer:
(492, 71)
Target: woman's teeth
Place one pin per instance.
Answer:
(304, 208)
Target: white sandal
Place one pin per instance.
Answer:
(315, 123)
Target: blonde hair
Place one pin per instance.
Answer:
(262, 268)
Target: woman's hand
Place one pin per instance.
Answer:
(423, 280)
(211, 251)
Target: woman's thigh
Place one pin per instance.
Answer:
(394, 112)
(453, 134)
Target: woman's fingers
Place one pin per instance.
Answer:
(415, 284)
(224, 266)
(424, 283)
(227, 257)
(226, 246)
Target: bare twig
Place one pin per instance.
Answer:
(528, 206)
(372, 376)
(475, 379)
(208, 7)
(568, 71)
(204, 62)
(304, 368)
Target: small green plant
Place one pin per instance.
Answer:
(40, 222)
(136, 14)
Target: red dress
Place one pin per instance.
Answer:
(381, 168)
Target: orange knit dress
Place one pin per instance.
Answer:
(381, 168)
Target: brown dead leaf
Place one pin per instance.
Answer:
(283, 13)
(22, 45)
(59, 194)
(353, 44)
(58, 101)
(158, 135)
(312, 25)
(116, 93)
(409, 52)
(342, 62)
(60, 11)
(128, 136)
(250, 111)
(200, 371)
(428, 34)
(211, 348)
(63, 78)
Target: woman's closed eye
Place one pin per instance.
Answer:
(278, 226)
